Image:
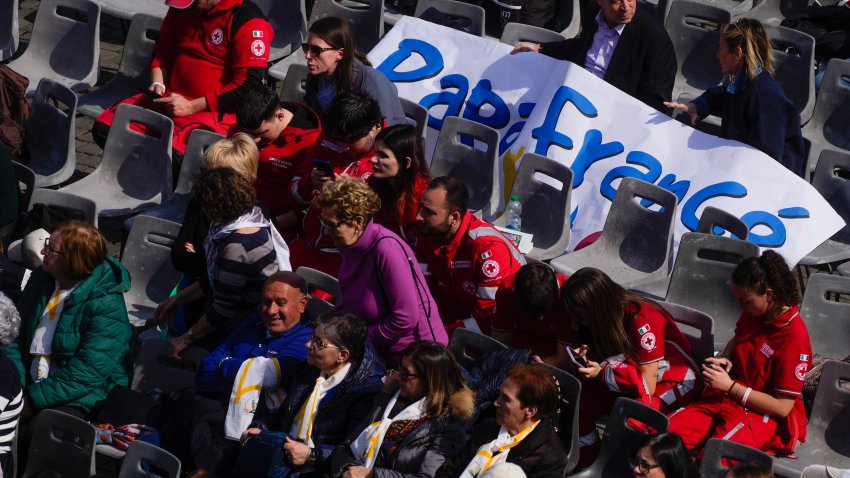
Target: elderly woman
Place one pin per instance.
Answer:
(330, 396)
(414, 430)
(75, 336)
(752, 105)
(242, 249)
(379, 278)
(11, 391)
(522, 433)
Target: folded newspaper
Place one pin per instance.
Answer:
(521, 239)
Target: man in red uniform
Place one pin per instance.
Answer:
(468, 260)
(287, 134)
(204, 58)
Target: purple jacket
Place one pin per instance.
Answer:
(382, 283)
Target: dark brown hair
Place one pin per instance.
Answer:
(335, 32)
(439, 370)
(535, 388)
(83, 248)
(223, 194)
(768, 271)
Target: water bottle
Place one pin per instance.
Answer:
(513, 214)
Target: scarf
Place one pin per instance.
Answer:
(495, 452)
(253, 218)
(302, 427)
(366, 445)
(42, 339)
(254, 375)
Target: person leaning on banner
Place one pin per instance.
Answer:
(207, 52)
(468, 261)
(330, 395)
(752, 105)
(625, 46)
(195, 429)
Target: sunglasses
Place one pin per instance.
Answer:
(315, 50)
(320, 344)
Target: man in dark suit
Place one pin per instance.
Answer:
(623, 45)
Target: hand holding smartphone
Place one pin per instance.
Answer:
(324, 167)
(575, 358)
(149, 93)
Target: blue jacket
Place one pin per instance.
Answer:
(251, 339)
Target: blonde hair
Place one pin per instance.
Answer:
(749, 35)
(351, 197)
(239, 153)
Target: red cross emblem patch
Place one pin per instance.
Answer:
(490, 268)
(258, 47)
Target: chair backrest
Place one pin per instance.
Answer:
(417, 113)
(692, 27)
(51, 134)
(63, 200)
(144, 460)
(570, 388)
(365, 18)
(294, 85)
(193, 158)
(718, 451)
(831, 119)
(830, 411)
(479, 169)
(60, 443)
(828, 321)
(715, 221)
(831, 180)
(317, 279)
(26, 184)
(697, 327)
(517, 32)
(464, 341)
(138, 48)
(702, 277)
(147, 257)
(289, 24)
(9, 29)
(544, 187)
(793, 65)
(569, 16)
(639, 226)
(466, 13)
(156, 369)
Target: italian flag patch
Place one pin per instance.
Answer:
(804, 357)
(258, 34)
(486, 254)
(643, 329)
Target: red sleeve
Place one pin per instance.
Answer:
(249, 49)
(507, 310)
(165, 48)
(647, 333)
(491, 271)
(794, 360)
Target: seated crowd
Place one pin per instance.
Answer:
(340, 184)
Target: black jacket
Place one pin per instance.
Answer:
(540, 454)
(643, 64)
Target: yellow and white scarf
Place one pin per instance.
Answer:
(369, 441)
(42, 339)
(302, 427)
(495, 452)
(255, 375)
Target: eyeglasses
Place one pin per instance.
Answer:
(642, 465)
(330, 224)
(49, 246)
(315, 50)
(320, 344)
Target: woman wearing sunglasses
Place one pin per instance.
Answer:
(379, 277)
(330, 395)
(335, 66)
(663, 455)
(415, 428)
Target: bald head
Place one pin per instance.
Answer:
(284, 301)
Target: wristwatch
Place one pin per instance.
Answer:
(313, 457)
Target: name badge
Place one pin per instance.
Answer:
(461, 264)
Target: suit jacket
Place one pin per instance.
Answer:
(643, 64)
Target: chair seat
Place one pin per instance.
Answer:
(737, 7)
(125, 9)
(92, 104)
(173, 209)
(844, 269)
(814, 452)
(36, 71)
(654, 290)
(110, 451)
(618, 271)
(828, 252)
(111, 203)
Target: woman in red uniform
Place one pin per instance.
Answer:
(632, 347)
(753, 389)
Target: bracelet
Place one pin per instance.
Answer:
(223, 360)
(731, 387)
(746, 396)
(156, 83)
(190, 334)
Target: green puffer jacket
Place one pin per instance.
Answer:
(91, 346)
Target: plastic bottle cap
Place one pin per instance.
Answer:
(515, 198)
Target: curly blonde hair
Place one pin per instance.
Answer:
(239, 153)
(351, 197)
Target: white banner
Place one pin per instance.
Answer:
(559, 110)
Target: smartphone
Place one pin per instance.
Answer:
(149, 93)
(575, 358)
(324, 167)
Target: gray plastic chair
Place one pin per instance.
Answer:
(294, 83)
(545, 208)
(417, 113)
(831, 180)
(828, 321)
(844, 269)
(692, 27)
(51, 134)
(635, 244)
(819, 471)
(65, 200)
(455, 9)
(133, 70)
(174, 208)
(365, 18)
(319, 280)
(63, 48)
(621, 441)
(570, 388)
(147, 257)
(478, 169)
(9, 29)
(144, 460)
(829, 127)
(697, 327)
(827, 440)
(569, 15)
(772, 12)
(26, 184)
(135, 172)
(127, 9)
(717, 450)
(465, 340)
(156, 369)
(712, 218)
(517, 32)
(60, 443)
(289, 24)
(793, 67)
